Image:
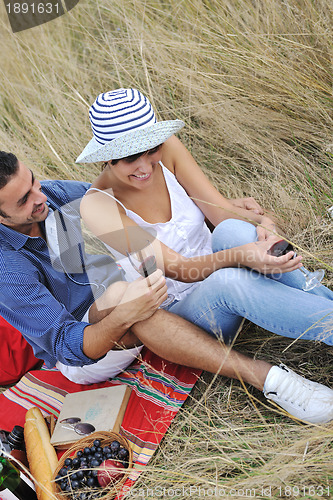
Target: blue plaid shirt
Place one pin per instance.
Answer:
(44, 303)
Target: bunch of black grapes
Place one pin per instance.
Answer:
(80, 472)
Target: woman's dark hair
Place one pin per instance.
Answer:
(8, 167)
(129, 159)
(133, 158)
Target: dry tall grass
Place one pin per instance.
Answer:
(253, 81)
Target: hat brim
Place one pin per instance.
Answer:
(130, 143)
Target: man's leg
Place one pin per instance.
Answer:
(180, 342)
(177, 340)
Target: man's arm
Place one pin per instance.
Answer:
(45, 323)
(56, 335)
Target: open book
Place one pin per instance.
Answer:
(102, 408)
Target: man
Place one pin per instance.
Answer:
(55, 310)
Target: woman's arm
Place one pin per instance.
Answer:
(108, 221)
(216, 207)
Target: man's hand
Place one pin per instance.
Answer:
(123, 305)
(247, 204)
(255, 256)
(142, 298)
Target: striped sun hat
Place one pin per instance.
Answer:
(124, 123)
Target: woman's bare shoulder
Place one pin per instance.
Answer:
(98, 201)
(171, 150)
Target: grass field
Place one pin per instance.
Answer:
(253, 82)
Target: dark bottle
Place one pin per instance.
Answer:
(16, 438)
(10, 479)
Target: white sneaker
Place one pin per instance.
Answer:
(330, 212)
(305, 400)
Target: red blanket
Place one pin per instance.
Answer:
(159, 389)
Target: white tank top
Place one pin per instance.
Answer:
(186, 233)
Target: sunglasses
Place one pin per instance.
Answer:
(75, 424)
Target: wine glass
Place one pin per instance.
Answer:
(312, 279)
(144, 262)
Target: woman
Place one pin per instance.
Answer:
(152, 190)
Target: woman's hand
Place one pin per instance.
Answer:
(255, 256)
(267, 229)
(247, 204)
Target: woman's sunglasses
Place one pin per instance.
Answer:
(75, 424)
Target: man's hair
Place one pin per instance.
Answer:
(8, 167)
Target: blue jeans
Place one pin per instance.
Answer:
(276, 303)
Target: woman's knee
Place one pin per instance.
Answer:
(232, 233)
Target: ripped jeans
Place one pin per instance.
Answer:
(276, 303)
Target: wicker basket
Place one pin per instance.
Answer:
(106, 438)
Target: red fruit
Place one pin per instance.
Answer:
(110, 471)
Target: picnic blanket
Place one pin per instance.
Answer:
(159, 388)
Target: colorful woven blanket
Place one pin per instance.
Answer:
(159, 389)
